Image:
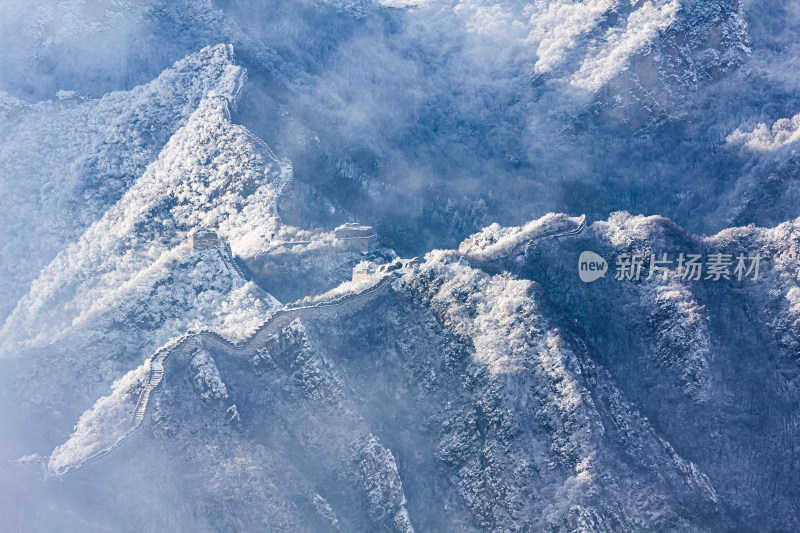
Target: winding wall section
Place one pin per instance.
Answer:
(192, 340)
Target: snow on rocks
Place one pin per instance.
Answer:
(64, 163)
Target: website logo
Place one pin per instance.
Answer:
(591, 266)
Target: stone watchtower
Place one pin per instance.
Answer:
(202, 238)
(356, 236)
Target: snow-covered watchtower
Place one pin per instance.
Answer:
(355, 235)
(354, 230)
(202, 238)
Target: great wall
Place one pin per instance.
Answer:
(191, 341)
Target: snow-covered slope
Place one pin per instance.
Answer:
(504, 400)
(64, 162)
(130, 281)
(485, 388)
(210, 173)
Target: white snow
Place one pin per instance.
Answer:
(103, 426)
(211, 173)
(64, 163)
(643, 25)
(765, 139)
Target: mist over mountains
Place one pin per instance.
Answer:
(387, 331)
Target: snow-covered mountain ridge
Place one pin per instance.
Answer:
(544, 432)
(483, 387)
(70, 160)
